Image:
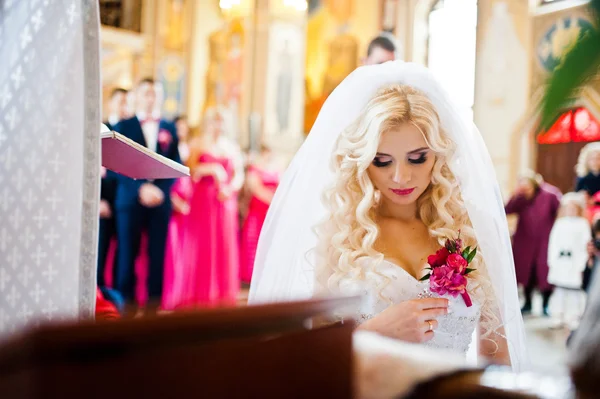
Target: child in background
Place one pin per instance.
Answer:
(567, 259)
(593, 207)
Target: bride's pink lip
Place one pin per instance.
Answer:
(406, 191)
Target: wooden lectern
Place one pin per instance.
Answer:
(247, 352)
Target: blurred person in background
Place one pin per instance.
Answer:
(593, 248)
(593, 252)
(536, 203)
(210, 243)
(381, 49)
(144, 205)
(262, 179)
(593, 206)
(181, 194)
(117, 107)
(588, 175)
(567, 259)
(183, 133)
(118, 110)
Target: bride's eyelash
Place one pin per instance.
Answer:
(378, 163)
(420, 160)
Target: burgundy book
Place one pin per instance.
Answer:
(125, 156)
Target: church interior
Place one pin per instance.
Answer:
(231, 52)
(259, 71)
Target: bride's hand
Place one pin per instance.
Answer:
(411, 321)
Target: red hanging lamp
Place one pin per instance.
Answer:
(575, 125)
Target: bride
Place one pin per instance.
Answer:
(407, 173)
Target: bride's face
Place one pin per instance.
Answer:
(403, 165)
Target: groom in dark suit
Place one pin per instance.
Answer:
(144, 204)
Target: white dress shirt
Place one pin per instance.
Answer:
(113, 120)
(150, 129)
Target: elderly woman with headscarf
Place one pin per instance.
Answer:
(536, 203)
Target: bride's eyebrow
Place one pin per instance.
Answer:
(382, 154)
(418, 150)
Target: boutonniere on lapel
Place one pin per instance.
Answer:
(164, 139)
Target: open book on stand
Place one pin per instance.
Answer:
(123, 155)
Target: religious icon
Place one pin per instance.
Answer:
(175, 25)
(284, 88)
(343, 59)
(331, 52)
(215, 75)
(559, 39)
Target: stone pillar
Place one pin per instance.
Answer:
(145, 65)
(502, 79)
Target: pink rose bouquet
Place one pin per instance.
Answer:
(449, 268)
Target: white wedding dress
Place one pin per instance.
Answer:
(388, 284)
(284, 268)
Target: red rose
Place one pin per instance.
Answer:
(457, 262)
(439, 259)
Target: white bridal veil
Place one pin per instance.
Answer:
(284, 263)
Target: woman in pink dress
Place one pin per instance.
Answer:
(210, 244)
(262, 180)
(181, 194)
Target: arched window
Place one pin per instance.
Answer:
(452, 33)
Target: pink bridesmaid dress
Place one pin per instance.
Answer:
(257, 211)
(210, 249)
(174, 264)
(141, 269)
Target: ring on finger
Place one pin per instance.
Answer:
(430, 325)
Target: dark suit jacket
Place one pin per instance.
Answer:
(127, 189)
(108, 185)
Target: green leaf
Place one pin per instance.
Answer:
(467, 271)
(595, 8)
(472, 255)
(578, 66)
(465, 253)
(426, 277)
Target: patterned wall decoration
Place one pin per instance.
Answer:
(553, 33)
(171, 74)
(285, 90)
(225, 72)
(559, 38)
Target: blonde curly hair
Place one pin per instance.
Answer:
(582, 169)
(349, 232)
